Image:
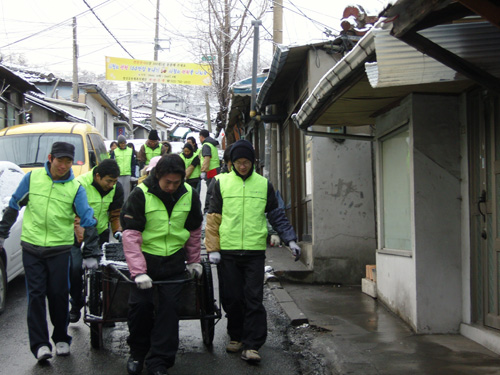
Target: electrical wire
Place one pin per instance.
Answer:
(109, 31)
(255, 18)
(302, 14)
(63, 23)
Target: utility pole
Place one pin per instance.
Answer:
(273, 128)
(130, 119)
(207, 107)
(156, 47)
(75, 64)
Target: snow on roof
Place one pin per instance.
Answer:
(31, 75)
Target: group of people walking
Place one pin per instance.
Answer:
(160, 225)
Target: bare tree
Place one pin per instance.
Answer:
(223, 32)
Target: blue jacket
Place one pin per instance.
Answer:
(21, 196)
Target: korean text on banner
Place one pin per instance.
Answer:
(120, 69)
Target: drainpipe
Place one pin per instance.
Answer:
(255, 24)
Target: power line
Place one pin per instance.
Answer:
(110, 33)
(255, 18)
(302, 14)
(54, 26)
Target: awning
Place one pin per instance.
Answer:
(399, 64)
(345, 97)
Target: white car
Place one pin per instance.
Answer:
(11, 260)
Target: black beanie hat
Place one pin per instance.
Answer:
(242, 149)
(153, 135)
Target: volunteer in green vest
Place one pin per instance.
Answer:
(236, 240)
(51, 196)
(196, 151)
(125, 157)
(150, 149)
(192, 163)
(210, 163)
(161, 223)
(105, 196)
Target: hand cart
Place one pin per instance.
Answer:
(107, 290)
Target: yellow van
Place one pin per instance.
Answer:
(28, 145)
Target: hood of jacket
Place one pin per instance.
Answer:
(211, 141)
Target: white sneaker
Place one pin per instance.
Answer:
(62, 348)
(250, 355)
(43, 353)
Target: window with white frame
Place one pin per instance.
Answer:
(395, 185)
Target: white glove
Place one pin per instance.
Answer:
(214, 257)
(274, 240)
(195, 269)
(203, 175)
(90, 263)
(295, 249)
(143, 281)
(118, 236)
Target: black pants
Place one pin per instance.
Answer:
(154, 330)
(47, 278)
(242, 291)
(76, 273)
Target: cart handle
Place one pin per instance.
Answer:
(127, 279)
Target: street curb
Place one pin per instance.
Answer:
(296, 316)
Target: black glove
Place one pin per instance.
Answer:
(91, 243)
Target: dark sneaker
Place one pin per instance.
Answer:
(74, 315)
(250, 355)
(134, 366)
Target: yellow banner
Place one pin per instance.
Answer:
(118, 69)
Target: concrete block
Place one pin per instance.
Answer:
(282, 295)
(296, 316)
(369, 287)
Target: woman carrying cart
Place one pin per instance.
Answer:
(161, 223)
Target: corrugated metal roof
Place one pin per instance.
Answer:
(399, 64)
(320, 95)
(244, 87)
(336, 101)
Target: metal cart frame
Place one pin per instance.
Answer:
(107, 290)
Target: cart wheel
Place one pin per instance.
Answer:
(95, 305)
(207, 305)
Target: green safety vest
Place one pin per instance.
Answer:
(49, 216)
(164, 235)
(187, 162)
(150, 153)
(99, 204)
(124, 160)
(214, 160)
(243, 225)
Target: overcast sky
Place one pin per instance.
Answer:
(46, 27)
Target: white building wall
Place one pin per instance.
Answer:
(437, 200)
(396, 285)
(424, 286)
(98, 116)
(343, 210)
(396, 278)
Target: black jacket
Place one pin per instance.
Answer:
(275, 215)
(132, 214)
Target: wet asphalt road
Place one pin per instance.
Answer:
(278, 355)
